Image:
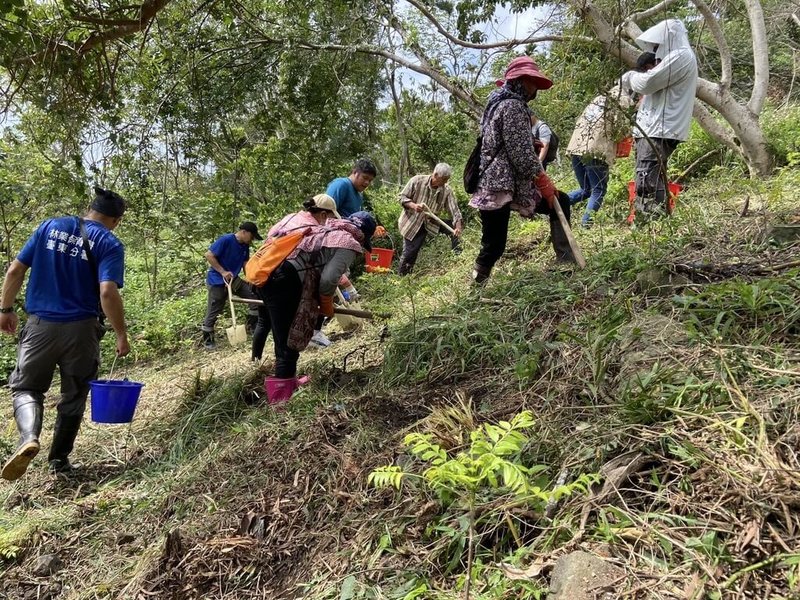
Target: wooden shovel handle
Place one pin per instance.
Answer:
(352, 312)
(441, 223)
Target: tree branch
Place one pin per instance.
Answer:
(502, 44)
(474, 106)
(722, 43)
(758, 31)
(104, 21)
(630, 26)
(713, 127)
(147, 12)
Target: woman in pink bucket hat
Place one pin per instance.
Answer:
(511, 176)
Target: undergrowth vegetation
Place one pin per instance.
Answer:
(643, 410)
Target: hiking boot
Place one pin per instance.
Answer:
(320, 340)
(208, 340)
(28, 415)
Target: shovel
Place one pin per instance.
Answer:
(437, 220)
(576, 250)
(347, 322)
(237, 334)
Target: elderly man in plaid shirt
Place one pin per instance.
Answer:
(433, 192)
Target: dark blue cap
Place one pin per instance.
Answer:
(366, 223)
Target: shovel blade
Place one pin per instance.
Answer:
(236, 335)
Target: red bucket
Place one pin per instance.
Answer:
(378, 260)
(674, 191)
(624, 147)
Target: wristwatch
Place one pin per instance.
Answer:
(4, 311)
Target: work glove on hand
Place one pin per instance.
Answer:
(546, 188)
(380, 231)
(326, 305)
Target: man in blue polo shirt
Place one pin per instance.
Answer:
(227, 256)
(76, 268)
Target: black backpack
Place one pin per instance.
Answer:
(472, 170)
(552, 149)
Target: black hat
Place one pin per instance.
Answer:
(646, 59)
(251, 227)
(108, 203)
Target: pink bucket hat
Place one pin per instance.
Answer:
(523, 66)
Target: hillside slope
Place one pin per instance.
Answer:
(667, 372)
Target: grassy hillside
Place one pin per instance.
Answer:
(662, 381)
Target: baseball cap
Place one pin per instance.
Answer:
(325, 202)
(252, 228)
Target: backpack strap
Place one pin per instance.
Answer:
(92, 265)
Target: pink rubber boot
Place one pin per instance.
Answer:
(279, 390)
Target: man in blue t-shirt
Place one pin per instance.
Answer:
(76, 269)
(348, 192)
(227, 256)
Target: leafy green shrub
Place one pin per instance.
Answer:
(782, 130)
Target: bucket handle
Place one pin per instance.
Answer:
(230, 299)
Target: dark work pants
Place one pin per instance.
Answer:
(218, 300)
(281, 295)
(73, 347)
(261, 332)
(652, 155)
(557, 234)
(494, 235)
(412, 247)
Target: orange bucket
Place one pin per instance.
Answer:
(378, 260)
(624, 147)
(674, 190)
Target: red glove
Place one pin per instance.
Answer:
(546, 188)
(326, 305)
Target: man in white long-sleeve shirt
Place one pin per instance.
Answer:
(665, 113)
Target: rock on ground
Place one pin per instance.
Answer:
(584, 576)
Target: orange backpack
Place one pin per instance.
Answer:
(271, 255)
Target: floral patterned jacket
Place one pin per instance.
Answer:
(508, 161)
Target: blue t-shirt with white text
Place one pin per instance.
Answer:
(62, 286)
(348, 200)
(231, 254)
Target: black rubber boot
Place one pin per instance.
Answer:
(561, 245)
(64, 434)
(208, 340)
(28, 415)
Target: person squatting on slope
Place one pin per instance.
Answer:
(226, 257)
(665, 112)
(593, 148)
(316, 211)
(434, 192)
(303, 286)
(511, 176)
(77, 266)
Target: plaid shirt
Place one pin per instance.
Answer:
(438, 200)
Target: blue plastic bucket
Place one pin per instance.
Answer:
(113, 400)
